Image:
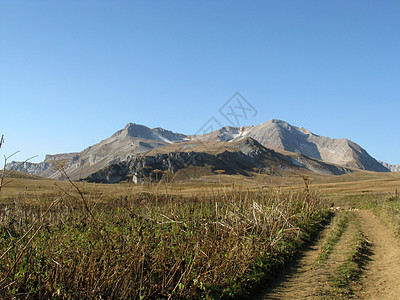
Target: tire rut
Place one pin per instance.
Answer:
(306, 279)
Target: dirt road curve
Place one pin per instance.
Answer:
(379, 280)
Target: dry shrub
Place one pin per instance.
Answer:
(148, 246)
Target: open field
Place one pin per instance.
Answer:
(154, 243)
(332, 185)
(213, 237)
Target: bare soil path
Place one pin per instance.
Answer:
(309, 279)
(379, 280)
(301, 280)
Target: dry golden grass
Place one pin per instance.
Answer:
(147, 241)
(25, 186)
(359, 182)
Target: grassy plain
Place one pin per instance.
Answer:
(212, 237)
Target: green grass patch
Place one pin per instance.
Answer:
(338, 228)
(349, 271)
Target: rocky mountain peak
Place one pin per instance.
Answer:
(134, 130)
(277, 122)
(138, 131)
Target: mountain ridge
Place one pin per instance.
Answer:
(278, 134)
(135, 139)
(392, 168)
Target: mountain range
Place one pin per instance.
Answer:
(136, 148)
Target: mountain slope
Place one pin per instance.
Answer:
(135, 139)
(129, 141)
(240, 157)
(277, 134)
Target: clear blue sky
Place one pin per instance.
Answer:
(74, 72)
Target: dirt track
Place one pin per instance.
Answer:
(380, 278)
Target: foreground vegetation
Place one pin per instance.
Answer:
(220, 244)
(349, 270)
(335, 233)
(351, 256)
